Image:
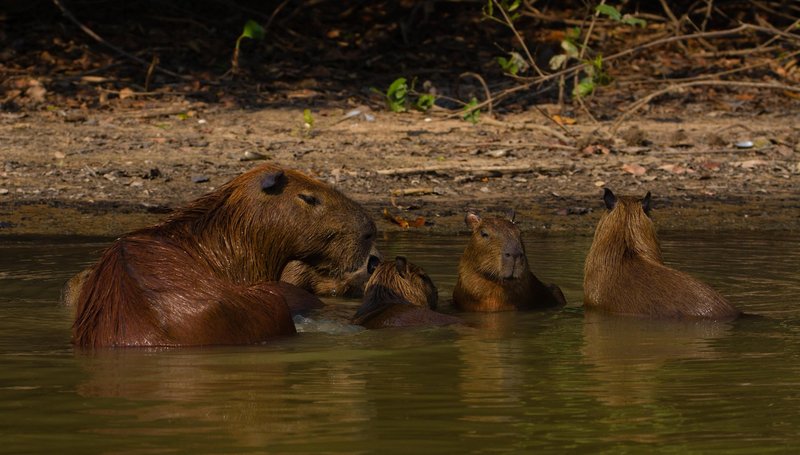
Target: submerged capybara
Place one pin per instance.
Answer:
(400, 294)
(207, 274)
(493, 274)
(625, 274)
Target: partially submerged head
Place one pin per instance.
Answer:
(401, 278)
(495, 249)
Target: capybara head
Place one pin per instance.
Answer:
(269, 216)
(627, 224)
(495, 249)
(400, 278)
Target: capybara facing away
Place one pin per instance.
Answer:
(207, 274)
(625, 274)
(400, 294)
(493, 274)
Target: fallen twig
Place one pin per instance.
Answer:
(502, 170)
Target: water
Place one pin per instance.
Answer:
(524, 382)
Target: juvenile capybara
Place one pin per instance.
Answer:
(625, 274)
(207, 274)
(400, 294)
(493, 274)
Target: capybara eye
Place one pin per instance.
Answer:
(309, 199)
(484, 234)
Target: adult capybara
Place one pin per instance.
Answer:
(400, 294)
(493, 274)
(625, 274)
(206, 275)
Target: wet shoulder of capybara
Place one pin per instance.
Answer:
(624, 272)
(203, 275)
(493, 273)
(400, 294)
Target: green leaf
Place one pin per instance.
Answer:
(570, 48)
(253, 30)
(573, 34)
(609, 11)
(308, 118)
(558, 61)
(471, 114)
(489, 8)
(425, 102)
(584, 88)
(635, 21)
(182, 116)
(396, 95)
(508, 65)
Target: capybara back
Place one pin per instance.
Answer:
(624, 272)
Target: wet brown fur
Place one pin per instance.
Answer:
(493, 274)
(307, 277)
(206, 275)
(400, 294)
(624, 272)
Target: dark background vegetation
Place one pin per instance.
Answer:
(342, 49)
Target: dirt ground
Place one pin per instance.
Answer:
(106, 172)
(91, 144)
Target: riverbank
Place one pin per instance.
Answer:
(107, 171)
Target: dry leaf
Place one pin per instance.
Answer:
(563, 120)
(596, 149)
(750, 164)
(675, 169)
(126, 93)
(634, 169)
(396, 219)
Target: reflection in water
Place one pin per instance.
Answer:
(249, 396)
(626, 353)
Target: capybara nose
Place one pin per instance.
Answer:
(372, 264)
(513, 253)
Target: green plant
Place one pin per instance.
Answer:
(471, 113)
(613, 14)
(252, 30)
(425, 102)
(594, 74)
(397, 95)
(514, 64)
(308, 119)
(509, 8)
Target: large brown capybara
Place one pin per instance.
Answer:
(625, 274)
(400, 294)
(493, 274)
(207, 274)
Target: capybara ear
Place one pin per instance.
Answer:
(402, 265)
(647, 204)
(472, 220)
(270, 180)
(511, 214)
(309, 198)
(609, 198)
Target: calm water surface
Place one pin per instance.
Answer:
(513, 383)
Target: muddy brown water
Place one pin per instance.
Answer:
(511, 383)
